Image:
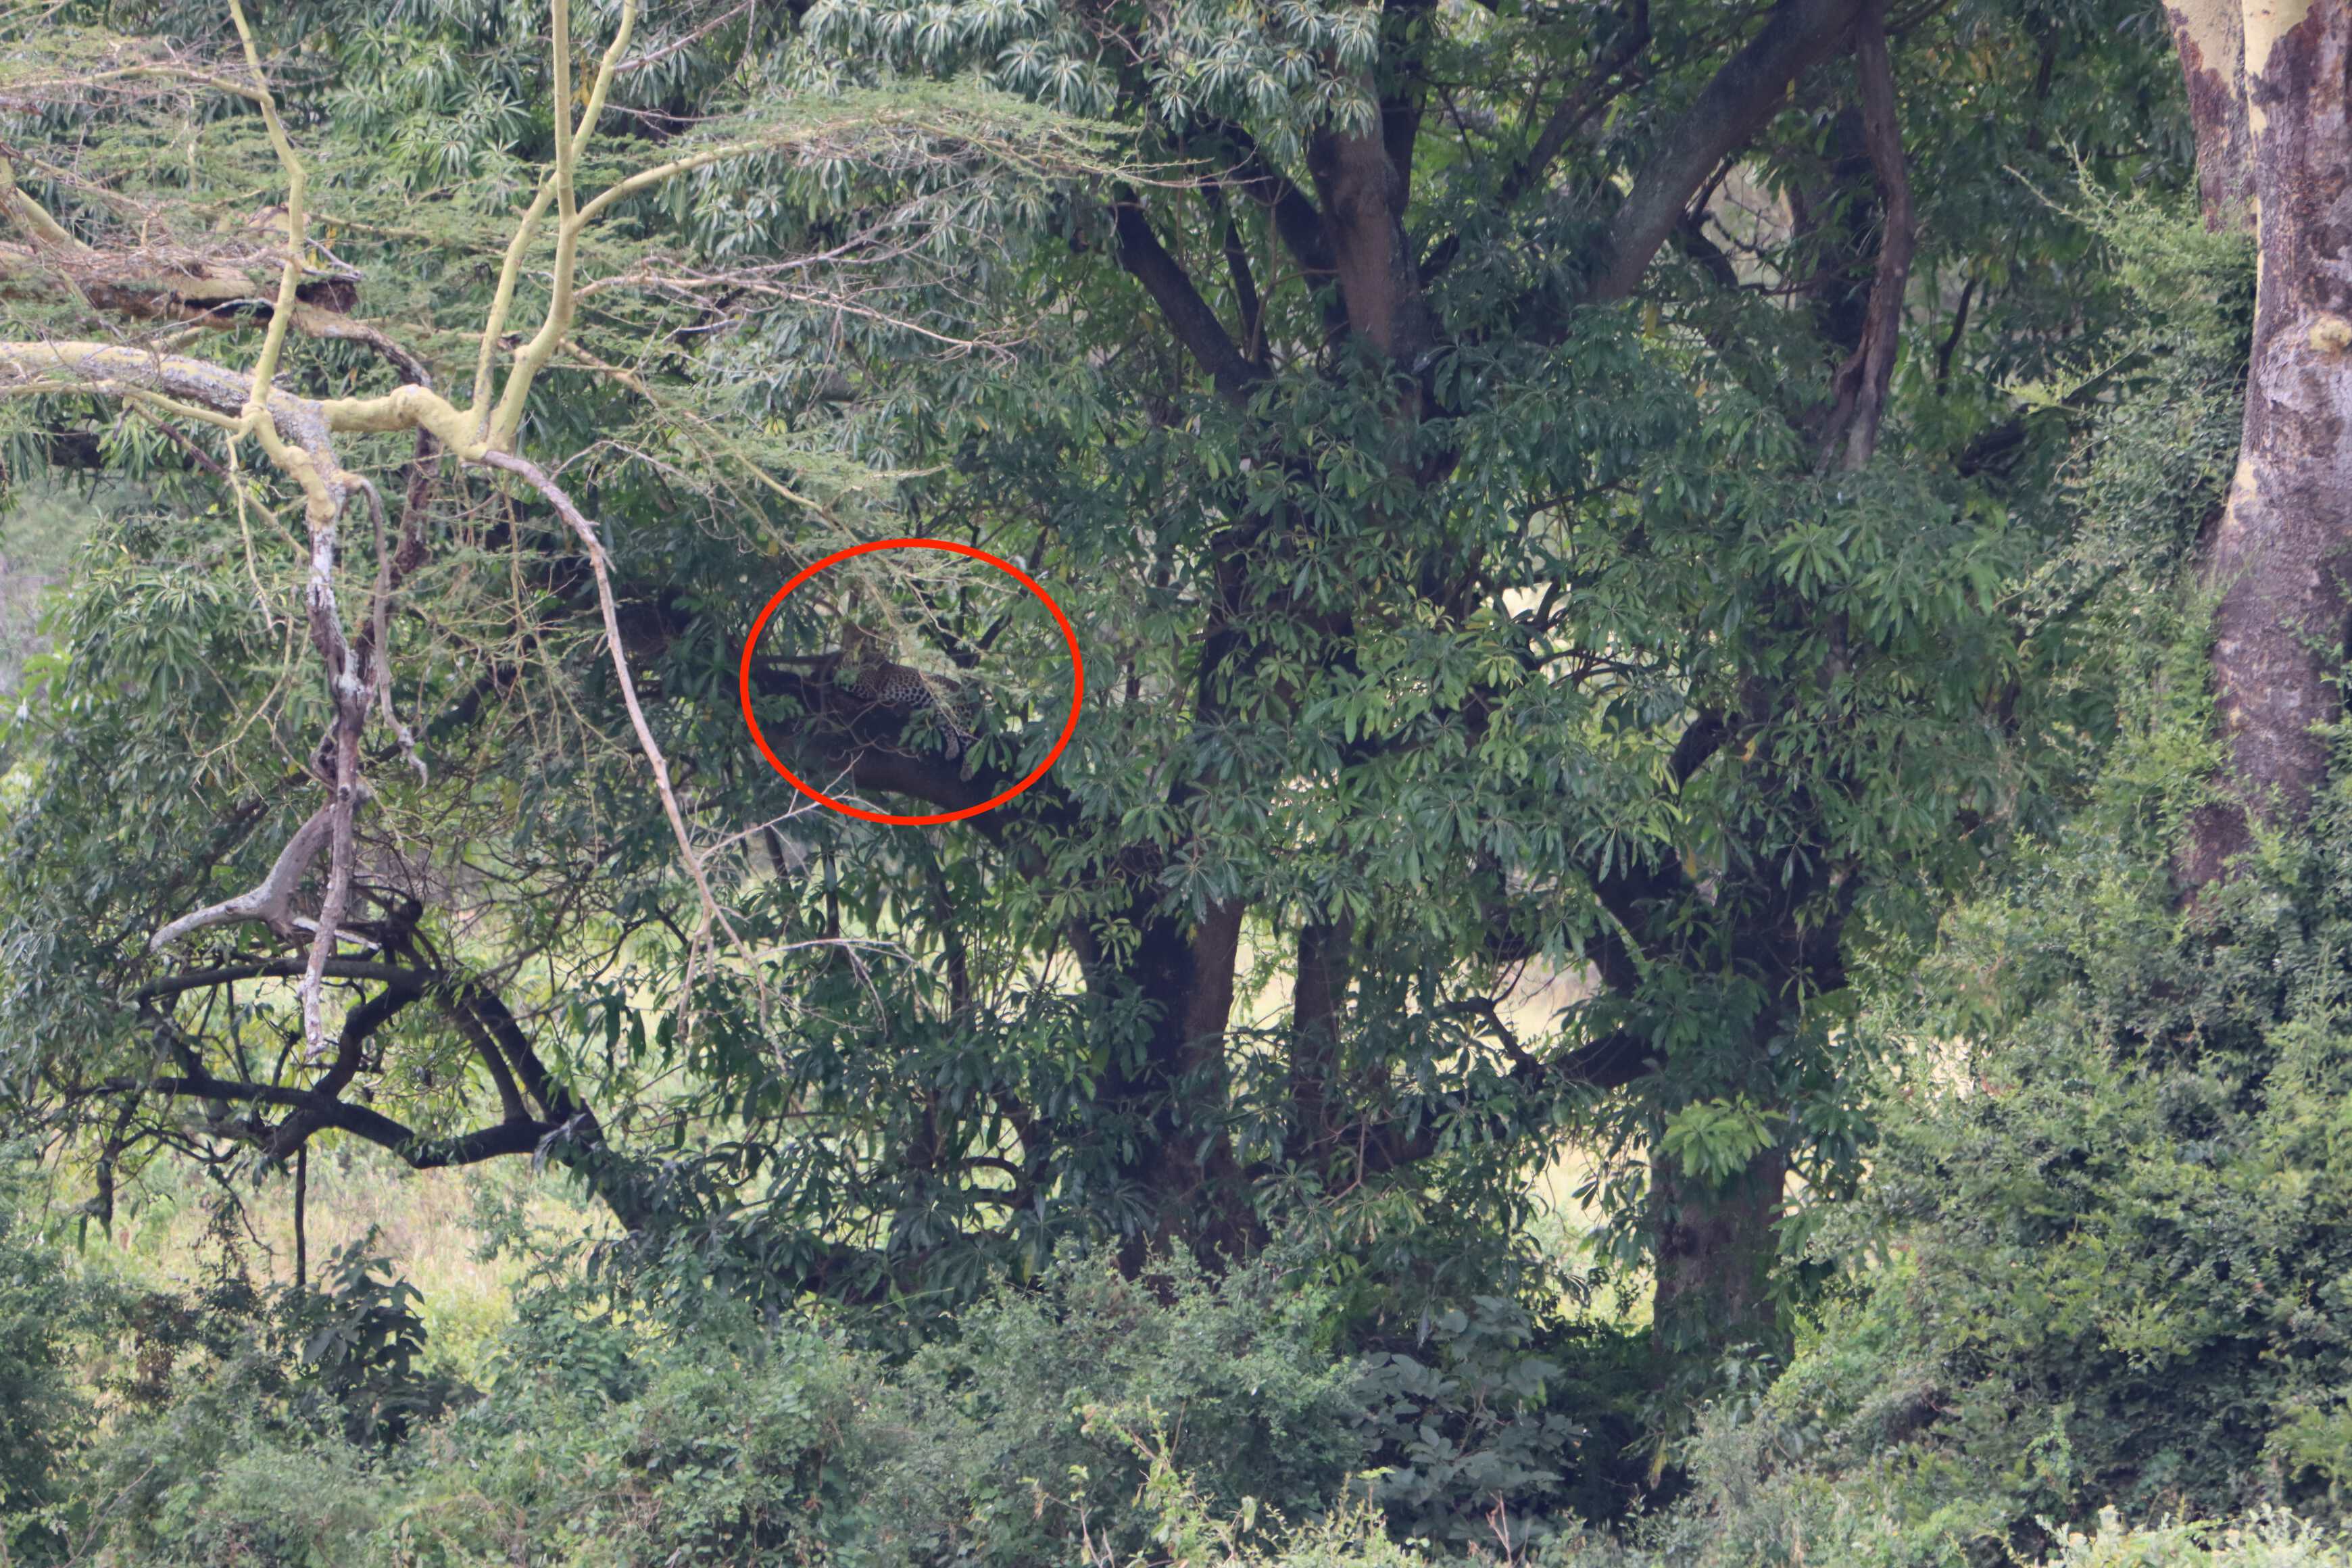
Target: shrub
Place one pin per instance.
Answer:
(1019, 1422)
(2111, 1215)
(46, 1302)
(1472, 1449)
(359, 1343)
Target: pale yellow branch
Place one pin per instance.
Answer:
(494, 325)
(646, 179)
(606, 70)
(409, 407)
(533, 357)
(33, 218)
(143, 399)
(194, 388)
(297, 184)
(569, 141)
(528, 364)
(175, 72)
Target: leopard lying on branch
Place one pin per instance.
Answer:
(860, 672)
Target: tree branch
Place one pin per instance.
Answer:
(1864, 380)
(1296, 223)
(1237, 269)
(1188, 315)
(1701, 739)
(271, 903)
(555, 496)
(870, 749)
(1743, 94)
(1578, 106)
(390, 974)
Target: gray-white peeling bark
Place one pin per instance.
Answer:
(2282, 555)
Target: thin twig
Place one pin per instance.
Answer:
(555, 496)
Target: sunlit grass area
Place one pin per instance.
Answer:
(440, 1230)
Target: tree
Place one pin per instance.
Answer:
(2267, 92)
(208, 283)
(1498, 639)
(1532, 498)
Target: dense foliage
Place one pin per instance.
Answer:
(1635, 566)
(1446, 626)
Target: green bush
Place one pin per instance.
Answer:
(2107, 1238)
(1471, 1448)
(2264, 1539)
(1108, 1423)
(1024, 1417)
(1093, 1418)
(361, 1342)
(47, 1303)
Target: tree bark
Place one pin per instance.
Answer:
(1864, 380)
(1319, 998)
(2281, 555)
(1176, 1161)
(1716, 1243)
(2210, 35)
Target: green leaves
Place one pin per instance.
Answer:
(1542, 646)
(1714, 1139)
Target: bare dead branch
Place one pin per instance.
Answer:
(271, 903)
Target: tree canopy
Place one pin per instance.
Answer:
(1567, 492)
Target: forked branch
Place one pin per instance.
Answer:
(239, 284)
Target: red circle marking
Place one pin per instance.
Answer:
(1069, 637)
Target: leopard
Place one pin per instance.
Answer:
(861, 666)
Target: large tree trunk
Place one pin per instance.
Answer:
(2281, 552)
(2211, 37)
(1716, 1243)
(1165, 1093)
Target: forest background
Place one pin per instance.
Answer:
(1699, 910)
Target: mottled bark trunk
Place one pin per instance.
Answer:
(2211, 37)
(1716, 1242)
(1364, 192)
(2281, 552)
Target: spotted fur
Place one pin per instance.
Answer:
(873, 678)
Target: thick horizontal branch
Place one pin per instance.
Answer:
(195, 386)
(203, 294)
(871, 747)
(421, 1152)
(392, 974)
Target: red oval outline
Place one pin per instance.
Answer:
(1069, 637)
